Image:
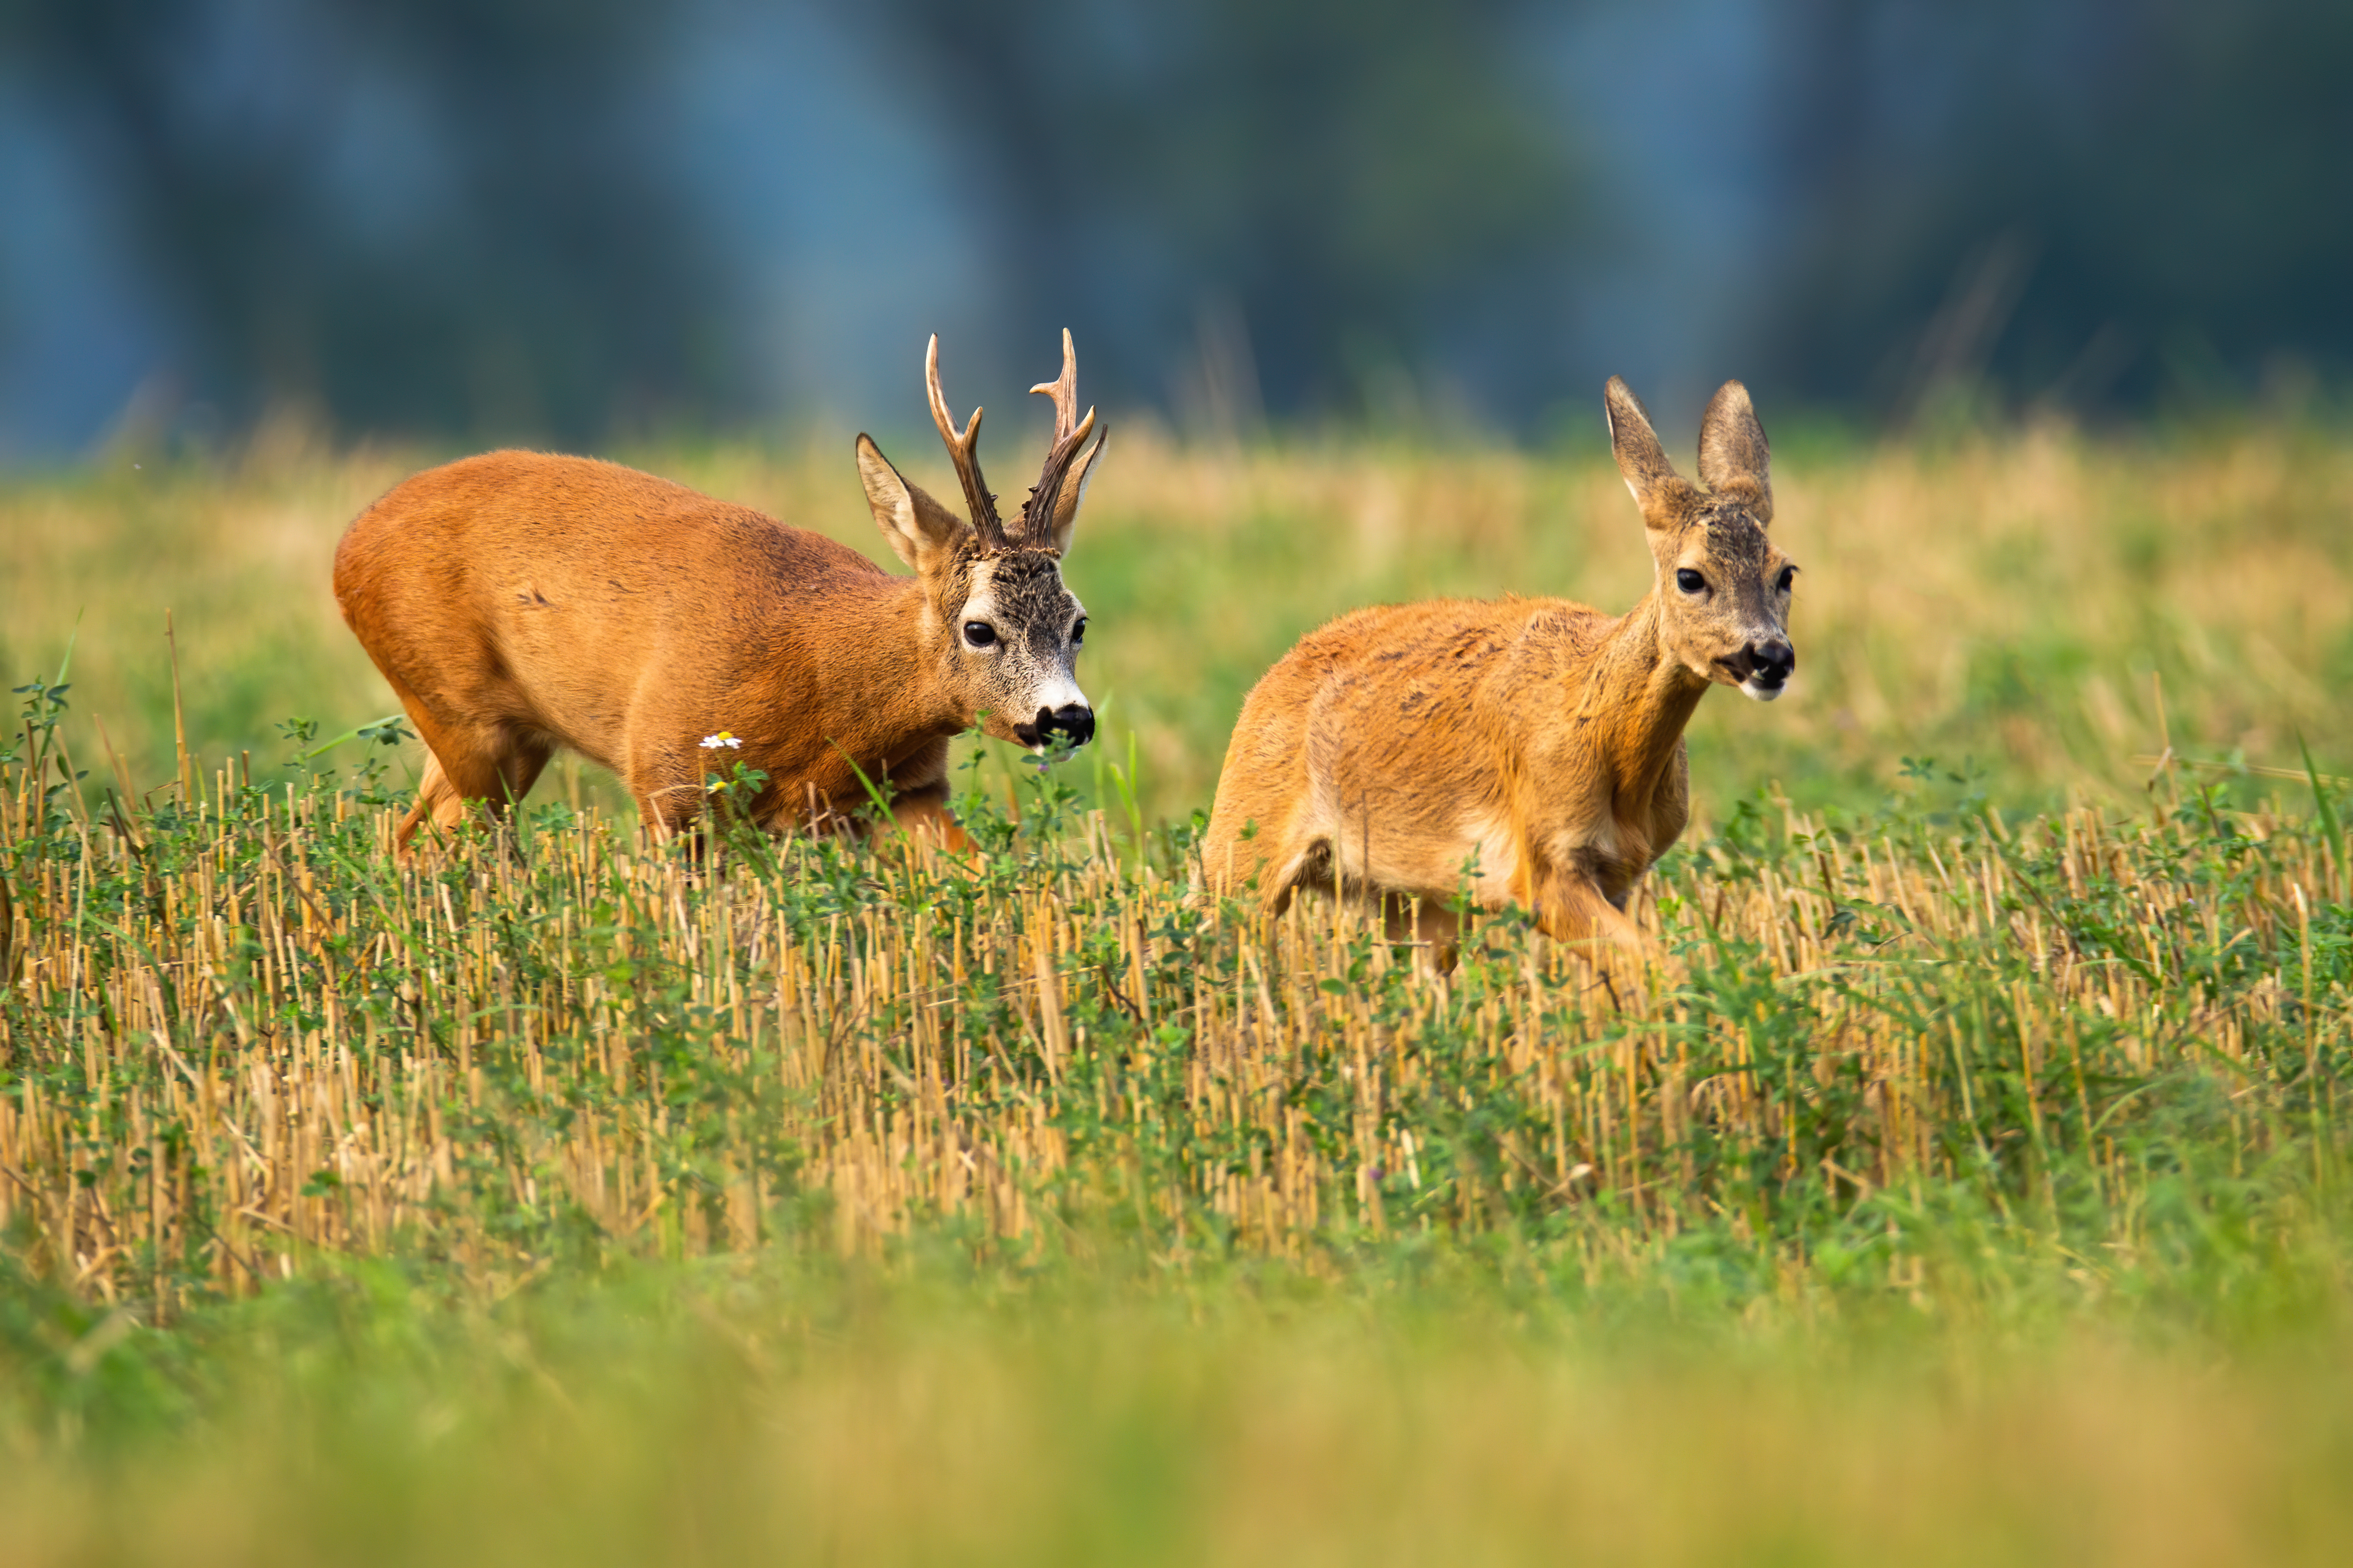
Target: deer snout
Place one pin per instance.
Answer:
(1074, 719)
(1765, 667)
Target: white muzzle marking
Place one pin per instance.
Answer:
(1056, 695)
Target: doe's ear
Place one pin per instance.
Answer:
(1642, 461)
(1732, 457)
(922, 532)
(1064, 517)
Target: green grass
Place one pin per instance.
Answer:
(1969, 1183)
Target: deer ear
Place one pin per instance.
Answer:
(1732, 457)
(921, 531)
(1065, 515)
(1641, 461)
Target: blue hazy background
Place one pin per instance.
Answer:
(569, 221)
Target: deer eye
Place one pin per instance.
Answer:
(1079, 632)
(1690, 582)
(980, 634)
(1789, 575)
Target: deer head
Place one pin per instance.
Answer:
(1722, 589)
(1002, 630)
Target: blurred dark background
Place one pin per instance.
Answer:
(569, 221)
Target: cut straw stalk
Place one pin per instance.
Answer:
(256, 1039)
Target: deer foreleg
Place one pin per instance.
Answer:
(923, 814)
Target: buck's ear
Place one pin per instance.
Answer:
(1065, 516)
(921, 531)
(1641, 461)
(1733, 458)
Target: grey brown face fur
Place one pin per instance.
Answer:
(1733, 626)
(1724, 586)
(1018, 632)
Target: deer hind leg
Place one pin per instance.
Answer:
(466, 766)
(1233, 856)
(1427, 925)
(437, 801)
(447, 796)
(1307, 868)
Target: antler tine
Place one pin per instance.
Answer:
(1070, 434)
(1064, 389)
(963, 449)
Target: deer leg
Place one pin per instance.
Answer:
(437, 801)
(520, 761)
(668, 778)
(1270, 850)
(1432, 929)
(923, 814)
(1308, 868)
(490, 763)
(671, 809)
(1571, 906)
(492, 772)
(1411, 916)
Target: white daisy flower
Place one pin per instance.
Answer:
(724, 738)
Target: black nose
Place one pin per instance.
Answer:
(1076, 722)
(1773, 661)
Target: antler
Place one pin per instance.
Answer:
(963, 450)
(1070, 434)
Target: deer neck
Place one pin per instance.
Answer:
(1642, 696)
(885, 697)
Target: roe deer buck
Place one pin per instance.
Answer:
(518, 601)
(1537, 742)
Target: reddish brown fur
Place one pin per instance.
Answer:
(1540, 739)
(518, 601)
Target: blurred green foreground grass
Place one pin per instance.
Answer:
(1443, 1410)
(2135, 1347)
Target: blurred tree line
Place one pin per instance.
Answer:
(514, 262)
(1316, 197)
(2101, 204)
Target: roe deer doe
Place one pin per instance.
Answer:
(518, 601)
(1537, 742)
